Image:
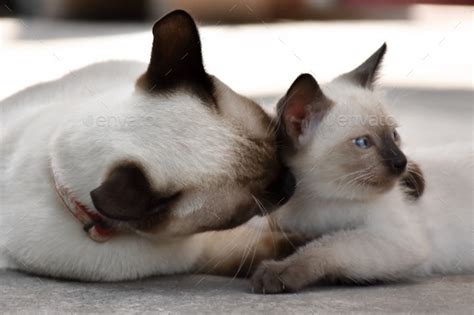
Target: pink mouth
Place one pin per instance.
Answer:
(93, 223)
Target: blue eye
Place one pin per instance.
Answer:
(362, 142)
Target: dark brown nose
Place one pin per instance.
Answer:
(398, 164)
(394, 159)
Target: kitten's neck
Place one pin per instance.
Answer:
(307, 193)
(313, 215)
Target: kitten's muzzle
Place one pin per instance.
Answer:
(394, 159)
(398, 164)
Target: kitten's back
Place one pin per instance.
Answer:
(448, 205)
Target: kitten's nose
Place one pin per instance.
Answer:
(398, 164)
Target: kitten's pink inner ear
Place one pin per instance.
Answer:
(297, 103)
(294, 115)
(303, 105)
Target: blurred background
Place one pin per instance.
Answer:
(258, 47)
(226, 11)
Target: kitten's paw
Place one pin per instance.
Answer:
(266, 278)
(273, 277)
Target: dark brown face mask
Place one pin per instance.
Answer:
(127, 195)
(394, 159)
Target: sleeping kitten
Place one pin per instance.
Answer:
(105, 179)
(344, 149)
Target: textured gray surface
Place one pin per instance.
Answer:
(205, 294)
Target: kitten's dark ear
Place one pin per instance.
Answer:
(127, 194)
(300, 110)
(365, 75)
(176, 57)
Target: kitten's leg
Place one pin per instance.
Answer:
(358, 255)
(237, 252)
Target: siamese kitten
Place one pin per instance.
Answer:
(106, 177)
(344, 149)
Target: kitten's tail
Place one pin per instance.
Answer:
(413, 182)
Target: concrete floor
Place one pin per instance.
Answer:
(433, 109)
(214, 295)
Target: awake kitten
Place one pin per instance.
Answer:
(344, 150)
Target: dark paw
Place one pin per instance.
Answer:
(272, 277)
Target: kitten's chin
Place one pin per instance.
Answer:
(365, 192)
(376, 188)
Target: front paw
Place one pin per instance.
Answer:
(273, 277)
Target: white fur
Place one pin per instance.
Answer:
(383, 236)
(61, 124)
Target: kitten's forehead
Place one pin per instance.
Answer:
(357, 109)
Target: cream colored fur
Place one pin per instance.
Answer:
(84, 123)
(362, 233)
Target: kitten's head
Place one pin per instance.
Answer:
(184, 152)
(339, 138)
